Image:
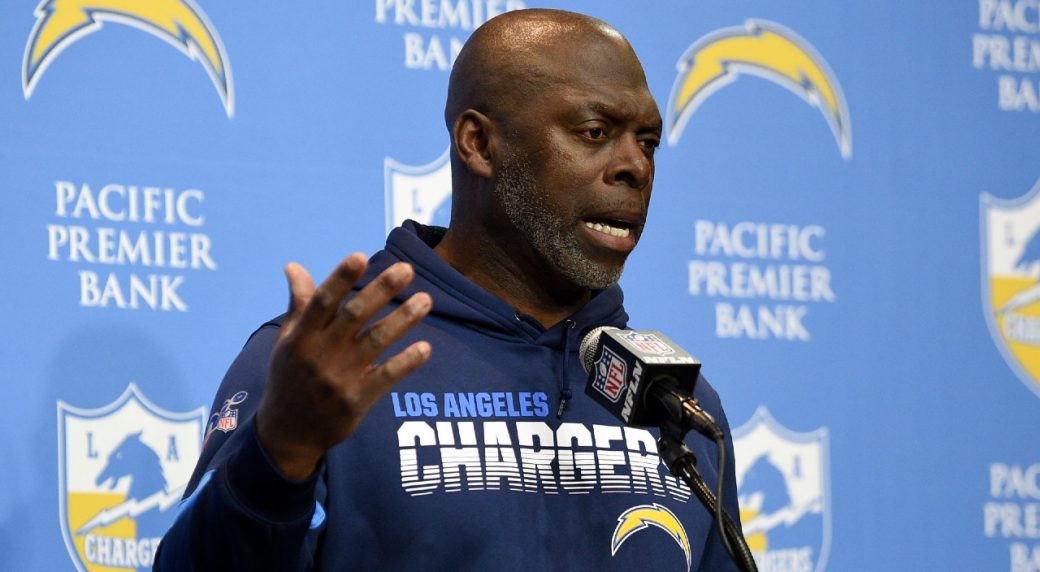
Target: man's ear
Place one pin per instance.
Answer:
(472, 134)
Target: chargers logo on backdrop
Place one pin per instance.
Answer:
(421, 193)
(1011, 280)
(643, 516)
(764, 49)
(121, 469)
(784, 492)
(180, 23)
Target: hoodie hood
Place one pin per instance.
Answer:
(457, 298)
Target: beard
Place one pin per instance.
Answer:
(552, 234)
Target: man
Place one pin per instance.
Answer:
(490, 456)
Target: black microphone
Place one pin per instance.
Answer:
(644, 379)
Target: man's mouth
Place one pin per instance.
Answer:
(612, 228)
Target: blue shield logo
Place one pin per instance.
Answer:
(783, 481)
(421, 193)
(1011, 280)
(122, 470)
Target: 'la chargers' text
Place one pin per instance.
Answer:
(471, 404)
(532, 457)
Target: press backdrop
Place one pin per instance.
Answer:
(843, 230)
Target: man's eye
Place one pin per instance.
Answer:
(596, 132)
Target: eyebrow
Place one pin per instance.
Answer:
(601, 108)
(614, 113)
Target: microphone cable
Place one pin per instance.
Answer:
(683, 464)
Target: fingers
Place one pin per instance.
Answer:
(392, 370)
(301, 288)
(386, 331)
(370, 300)
(323, 304)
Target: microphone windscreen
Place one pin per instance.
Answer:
(587, 349)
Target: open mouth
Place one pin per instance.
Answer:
(616, 228)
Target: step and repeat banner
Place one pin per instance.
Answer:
(845, 229)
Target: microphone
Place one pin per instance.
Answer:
(644, 379)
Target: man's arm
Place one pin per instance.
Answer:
(253, 503)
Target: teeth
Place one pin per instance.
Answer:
(607, 229)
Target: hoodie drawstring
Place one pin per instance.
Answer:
(565, 388)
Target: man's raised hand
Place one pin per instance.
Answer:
(322, 379)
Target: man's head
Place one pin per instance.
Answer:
(554, 132)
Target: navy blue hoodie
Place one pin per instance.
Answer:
(470, 463)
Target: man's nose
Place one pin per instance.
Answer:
(631, 165)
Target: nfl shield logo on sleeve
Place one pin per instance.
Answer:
(228, 421)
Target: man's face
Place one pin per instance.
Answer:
(576, 179)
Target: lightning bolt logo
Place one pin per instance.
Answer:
(132, 509)
(764, 49)
(60, 23)
(643, 516)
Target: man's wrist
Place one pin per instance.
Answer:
(294, 462)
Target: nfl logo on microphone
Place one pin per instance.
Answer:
(610, 375)
(647, 343)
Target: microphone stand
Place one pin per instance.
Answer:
(681, 461)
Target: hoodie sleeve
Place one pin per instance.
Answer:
(239, 511)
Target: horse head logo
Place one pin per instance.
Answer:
(136, 461)
(784, 491)
(122, 467)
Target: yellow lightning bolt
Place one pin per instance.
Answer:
(764, 49)
(60, 23)
(645, 515)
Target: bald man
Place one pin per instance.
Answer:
(424, 409)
